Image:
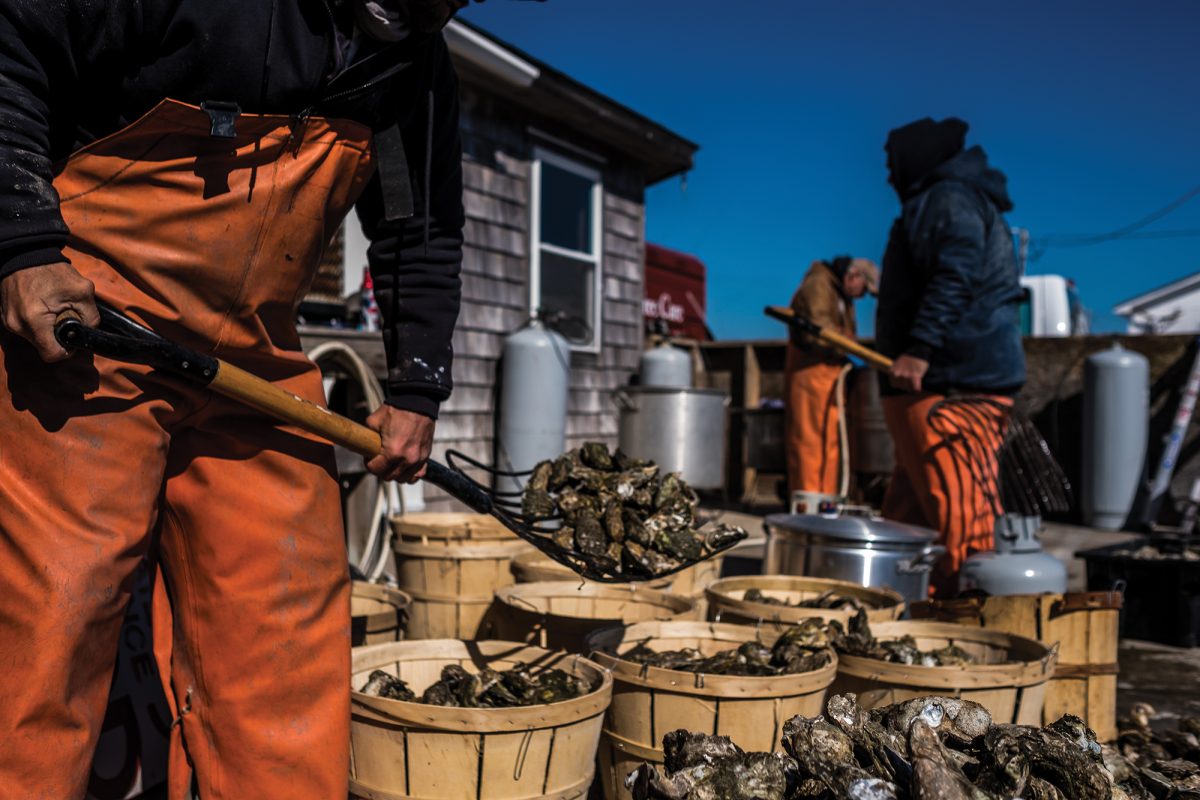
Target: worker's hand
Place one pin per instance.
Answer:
(32, 298)
(907, 372)
(407, 439)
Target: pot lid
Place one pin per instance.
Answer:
(854, 529)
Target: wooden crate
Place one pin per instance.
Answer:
(649, 702)
(561, 614)
(725, 603)
(378, 614)
(1083, 624)
(1009, 677)
(451, 564)
(406, 751)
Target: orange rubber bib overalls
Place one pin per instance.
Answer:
(213, 242)
(811, 375)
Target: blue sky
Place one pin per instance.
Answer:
(1091, 108)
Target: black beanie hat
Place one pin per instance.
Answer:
(839, 265)
(918, 148)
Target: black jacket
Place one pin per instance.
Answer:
(950, 292)
(72, 71)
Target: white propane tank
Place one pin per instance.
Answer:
(533, 401)
(1018, 565)
(666, 366)
(1116, 402)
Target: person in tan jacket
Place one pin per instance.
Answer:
(826, 297)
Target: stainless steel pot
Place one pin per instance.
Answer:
(868, 551)
(682, 430)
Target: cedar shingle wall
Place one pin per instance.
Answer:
(497, 149)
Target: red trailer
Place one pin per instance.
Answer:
(675, 292)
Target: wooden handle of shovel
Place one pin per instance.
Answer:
(832, 338)
(123, 339)
(251, 390)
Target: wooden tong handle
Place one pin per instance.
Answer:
(832, 338)
(251, 390)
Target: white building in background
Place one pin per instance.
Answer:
(1173, 308)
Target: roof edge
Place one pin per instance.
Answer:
(663, 152)
(1164, 292)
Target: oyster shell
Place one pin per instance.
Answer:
(705, 767)
(793, 652)
(381, 684)
(937, 748)
(857, 640)
(626, 518)
(829, 599)
(486, 689)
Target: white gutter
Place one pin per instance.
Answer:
(470, 46)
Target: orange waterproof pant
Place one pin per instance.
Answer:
(811, 426)
(945, 477)
(212, 242)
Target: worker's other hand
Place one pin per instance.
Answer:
(407, 439)
(907, 372)
(32, 298)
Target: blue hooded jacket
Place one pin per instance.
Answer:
(950, 290)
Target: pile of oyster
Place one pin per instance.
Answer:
(801, 648)
(930, 748)
(857, 640)
(620, 514)
(830, 599)
(1148, 764)
(1149, 552)
(518, 686)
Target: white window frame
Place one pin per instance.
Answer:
(543, 156)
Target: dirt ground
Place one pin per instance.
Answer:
(1167, 678)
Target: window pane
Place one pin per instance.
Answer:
(566, 209)
(568, 287)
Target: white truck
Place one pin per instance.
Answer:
(1050, 307)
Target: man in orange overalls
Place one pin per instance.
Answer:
(948, 315)
(826, 297)
(187, 161)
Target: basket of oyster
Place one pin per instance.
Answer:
(488, 719)
(787, 599)
(559, 615)
(927, 748)
(895, 661)
(730, 679)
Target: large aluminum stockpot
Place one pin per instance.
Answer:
(867, 551)
(681, 430)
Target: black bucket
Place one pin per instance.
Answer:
(1162, 595)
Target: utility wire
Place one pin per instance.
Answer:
(1130, 231)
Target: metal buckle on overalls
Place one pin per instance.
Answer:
(222, 116)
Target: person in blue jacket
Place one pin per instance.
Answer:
(948, 316)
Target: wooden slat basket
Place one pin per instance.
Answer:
(725, 603)
(693, 581)
(649, 701)
(378, 614)
(1009, 678)
(559, 615)
(450, 564)
(537, 567)
(411, 751)
(1083, 624)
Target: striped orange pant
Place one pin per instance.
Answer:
(946, 475)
